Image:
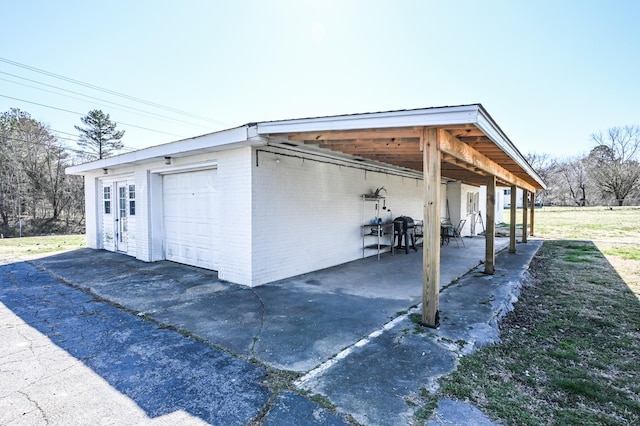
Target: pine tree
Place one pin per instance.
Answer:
(100, 137)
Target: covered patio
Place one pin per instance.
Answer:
(461, 143)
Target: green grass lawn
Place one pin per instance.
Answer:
(570, 350)
(30, 246)
(618, 224)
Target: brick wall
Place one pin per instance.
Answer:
(235, 204)
(307, 213)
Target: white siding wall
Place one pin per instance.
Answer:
(307, 214)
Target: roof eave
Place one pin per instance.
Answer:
(439, 116)
(495, 133)
(239, 136)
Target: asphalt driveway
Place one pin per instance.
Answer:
(175, 338)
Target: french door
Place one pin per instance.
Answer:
(122, 217)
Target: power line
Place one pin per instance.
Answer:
(148, 113)
(64, 133)
(81, 114)
(111, 92)
(45, 144)
(65, 148)
(42, 105)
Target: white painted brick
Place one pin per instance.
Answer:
(307, 215)
(235, 206)
(279, 216)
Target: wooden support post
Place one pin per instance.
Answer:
(431, 242)
(490, 234)
(512, 220)
(525, 215)
(533, 208)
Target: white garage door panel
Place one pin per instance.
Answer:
(191, 218)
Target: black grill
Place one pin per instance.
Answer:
(404, 229)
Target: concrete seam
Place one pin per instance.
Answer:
(311, 374)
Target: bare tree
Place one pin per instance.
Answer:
(13, 180)
(613, 162)
(575, 177)
(544, 165)
(32, 179)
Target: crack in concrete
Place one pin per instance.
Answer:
(256, 338)
(26, 339)
(37, 407)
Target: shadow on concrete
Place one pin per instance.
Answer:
(159, 369)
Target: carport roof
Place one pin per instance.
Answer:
(472, 145)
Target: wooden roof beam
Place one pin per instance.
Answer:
(331, 135)
(475, 139)
(460, 150)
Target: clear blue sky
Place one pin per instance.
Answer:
(549, 72)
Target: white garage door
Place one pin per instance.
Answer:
(191, 218)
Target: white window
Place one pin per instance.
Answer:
(473, 201)
(132, 200)
(106, 197)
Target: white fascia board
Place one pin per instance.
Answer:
(493, 132)
(440, 116)
(239, 136)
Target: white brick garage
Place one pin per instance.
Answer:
(287, 195)
(191, 221)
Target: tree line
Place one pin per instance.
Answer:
(36, 196)
(609, 174)
(36, 193)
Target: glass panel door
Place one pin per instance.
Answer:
(122, 217)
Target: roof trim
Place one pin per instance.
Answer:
(495, 133)
(255, 134)
(436, 116)
(238, 136)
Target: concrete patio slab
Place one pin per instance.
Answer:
(347, 330)
(376, 378)
(293, 324)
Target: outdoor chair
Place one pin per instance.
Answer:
(418, 231)
(457, 233)
(446, 231)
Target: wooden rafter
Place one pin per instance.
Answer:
(455, 148)
(468, 155)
